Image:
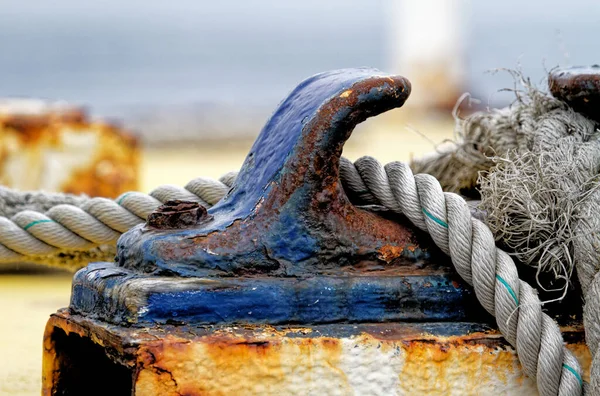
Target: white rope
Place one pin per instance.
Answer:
(492, 273)
(87, 222)
(536, 166)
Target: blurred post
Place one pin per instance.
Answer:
(55, 147)
(426, 45)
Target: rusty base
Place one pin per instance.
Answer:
(83, 356)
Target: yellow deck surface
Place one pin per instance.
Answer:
(27, 299)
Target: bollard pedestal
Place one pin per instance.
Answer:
(399, 330)
(85, 356)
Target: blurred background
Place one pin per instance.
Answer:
(142, 93)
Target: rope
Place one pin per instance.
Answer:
(536, 166)
(492, 272)
(445, 216)
(46, 225)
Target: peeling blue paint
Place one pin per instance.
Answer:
(270, 300)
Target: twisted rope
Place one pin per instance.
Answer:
(536, 166)
(492, 272)
(84, 223)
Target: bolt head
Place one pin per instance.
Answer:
(177, 214)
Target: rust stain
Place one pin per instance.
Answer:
(50, 363)
(264, 360)
(112, 168)
(388, 253)
(224, 364)
(347, 93)
(214, 366)
(440, 363)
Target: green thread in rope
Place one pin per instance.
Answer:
(510, 290)
(575, 373)
(123, 197)
(432, 217)
(37, 222)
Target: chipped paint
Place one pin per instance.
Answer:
(347, 93)
(353, 294)
(398, 358)
(287, 214)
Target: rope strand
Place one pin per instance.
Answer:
(84, 223)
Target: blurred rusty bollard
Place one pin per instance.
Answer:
(579, 87)
(55, 147)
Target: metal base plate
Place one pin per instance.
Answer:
(116, 295)
(84, 356)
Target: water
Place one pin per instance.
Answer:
(148, 60)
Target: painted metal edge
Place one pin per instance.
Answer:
(116, 295)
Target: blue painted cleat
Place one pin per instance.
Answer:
(287, 214)
(285, 236)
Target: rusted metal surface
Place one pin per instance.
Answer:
(394, 358)
(286, 230)
(287, 213)
(177, 214)
(579, 87)
(55, 147)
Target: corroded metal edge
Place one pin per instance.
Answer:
(393, 358)
(116, 295)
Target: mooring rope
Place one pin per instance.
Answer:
(52, 223)
(536, 166)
